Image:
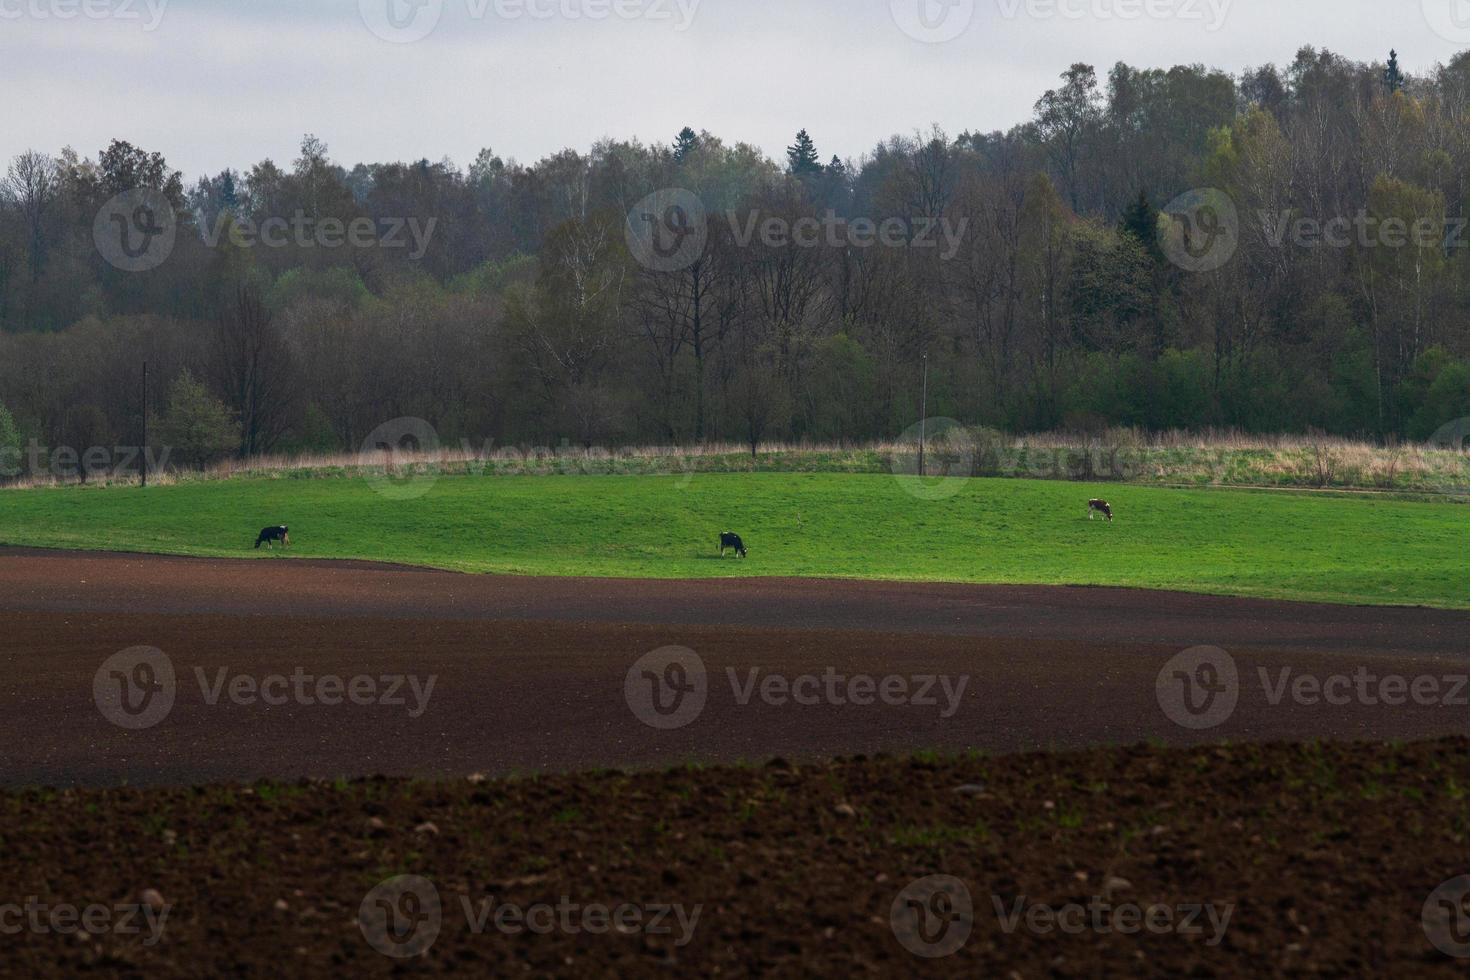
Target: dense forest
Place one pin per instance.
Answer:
(505, 302)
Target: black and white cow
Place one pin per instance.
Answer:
(729, 539)
(272, 534)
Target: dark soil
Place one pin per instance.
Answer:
(1323, 856)
(530, 672)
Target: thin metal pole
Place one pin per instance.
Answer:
(924, 413)
(145, 424)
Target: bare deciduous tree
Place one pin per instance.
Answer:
(253, 367)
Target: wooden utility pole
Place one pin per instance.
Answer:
(144, 447)
(923, 413)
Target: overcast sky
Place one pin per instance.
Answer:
(217, 83)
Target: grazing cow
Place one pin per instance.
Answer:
(272, 534)
(730, 540)
(1095, 507)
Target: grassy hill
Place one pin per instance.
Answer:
(1300, 546)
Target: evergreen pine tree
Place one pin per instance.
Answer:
(1393, 79)
(686, 144)
(802, 160)
(229, 197)
(1141, 220)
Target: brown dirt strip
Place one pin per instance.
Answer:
(60, 581)
(1258, 861)
(529, 673)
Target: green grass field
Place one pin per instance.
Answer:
(1334, 549)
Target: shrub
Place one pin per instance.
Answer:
(198, 428)
(10, 447)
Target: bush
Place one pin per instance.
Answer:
(198, 428)
(11, 459)
(1446, 401)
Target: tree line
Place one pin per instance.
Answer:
(299, 307)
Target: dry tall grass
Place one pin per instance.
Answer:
(1212, 458)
